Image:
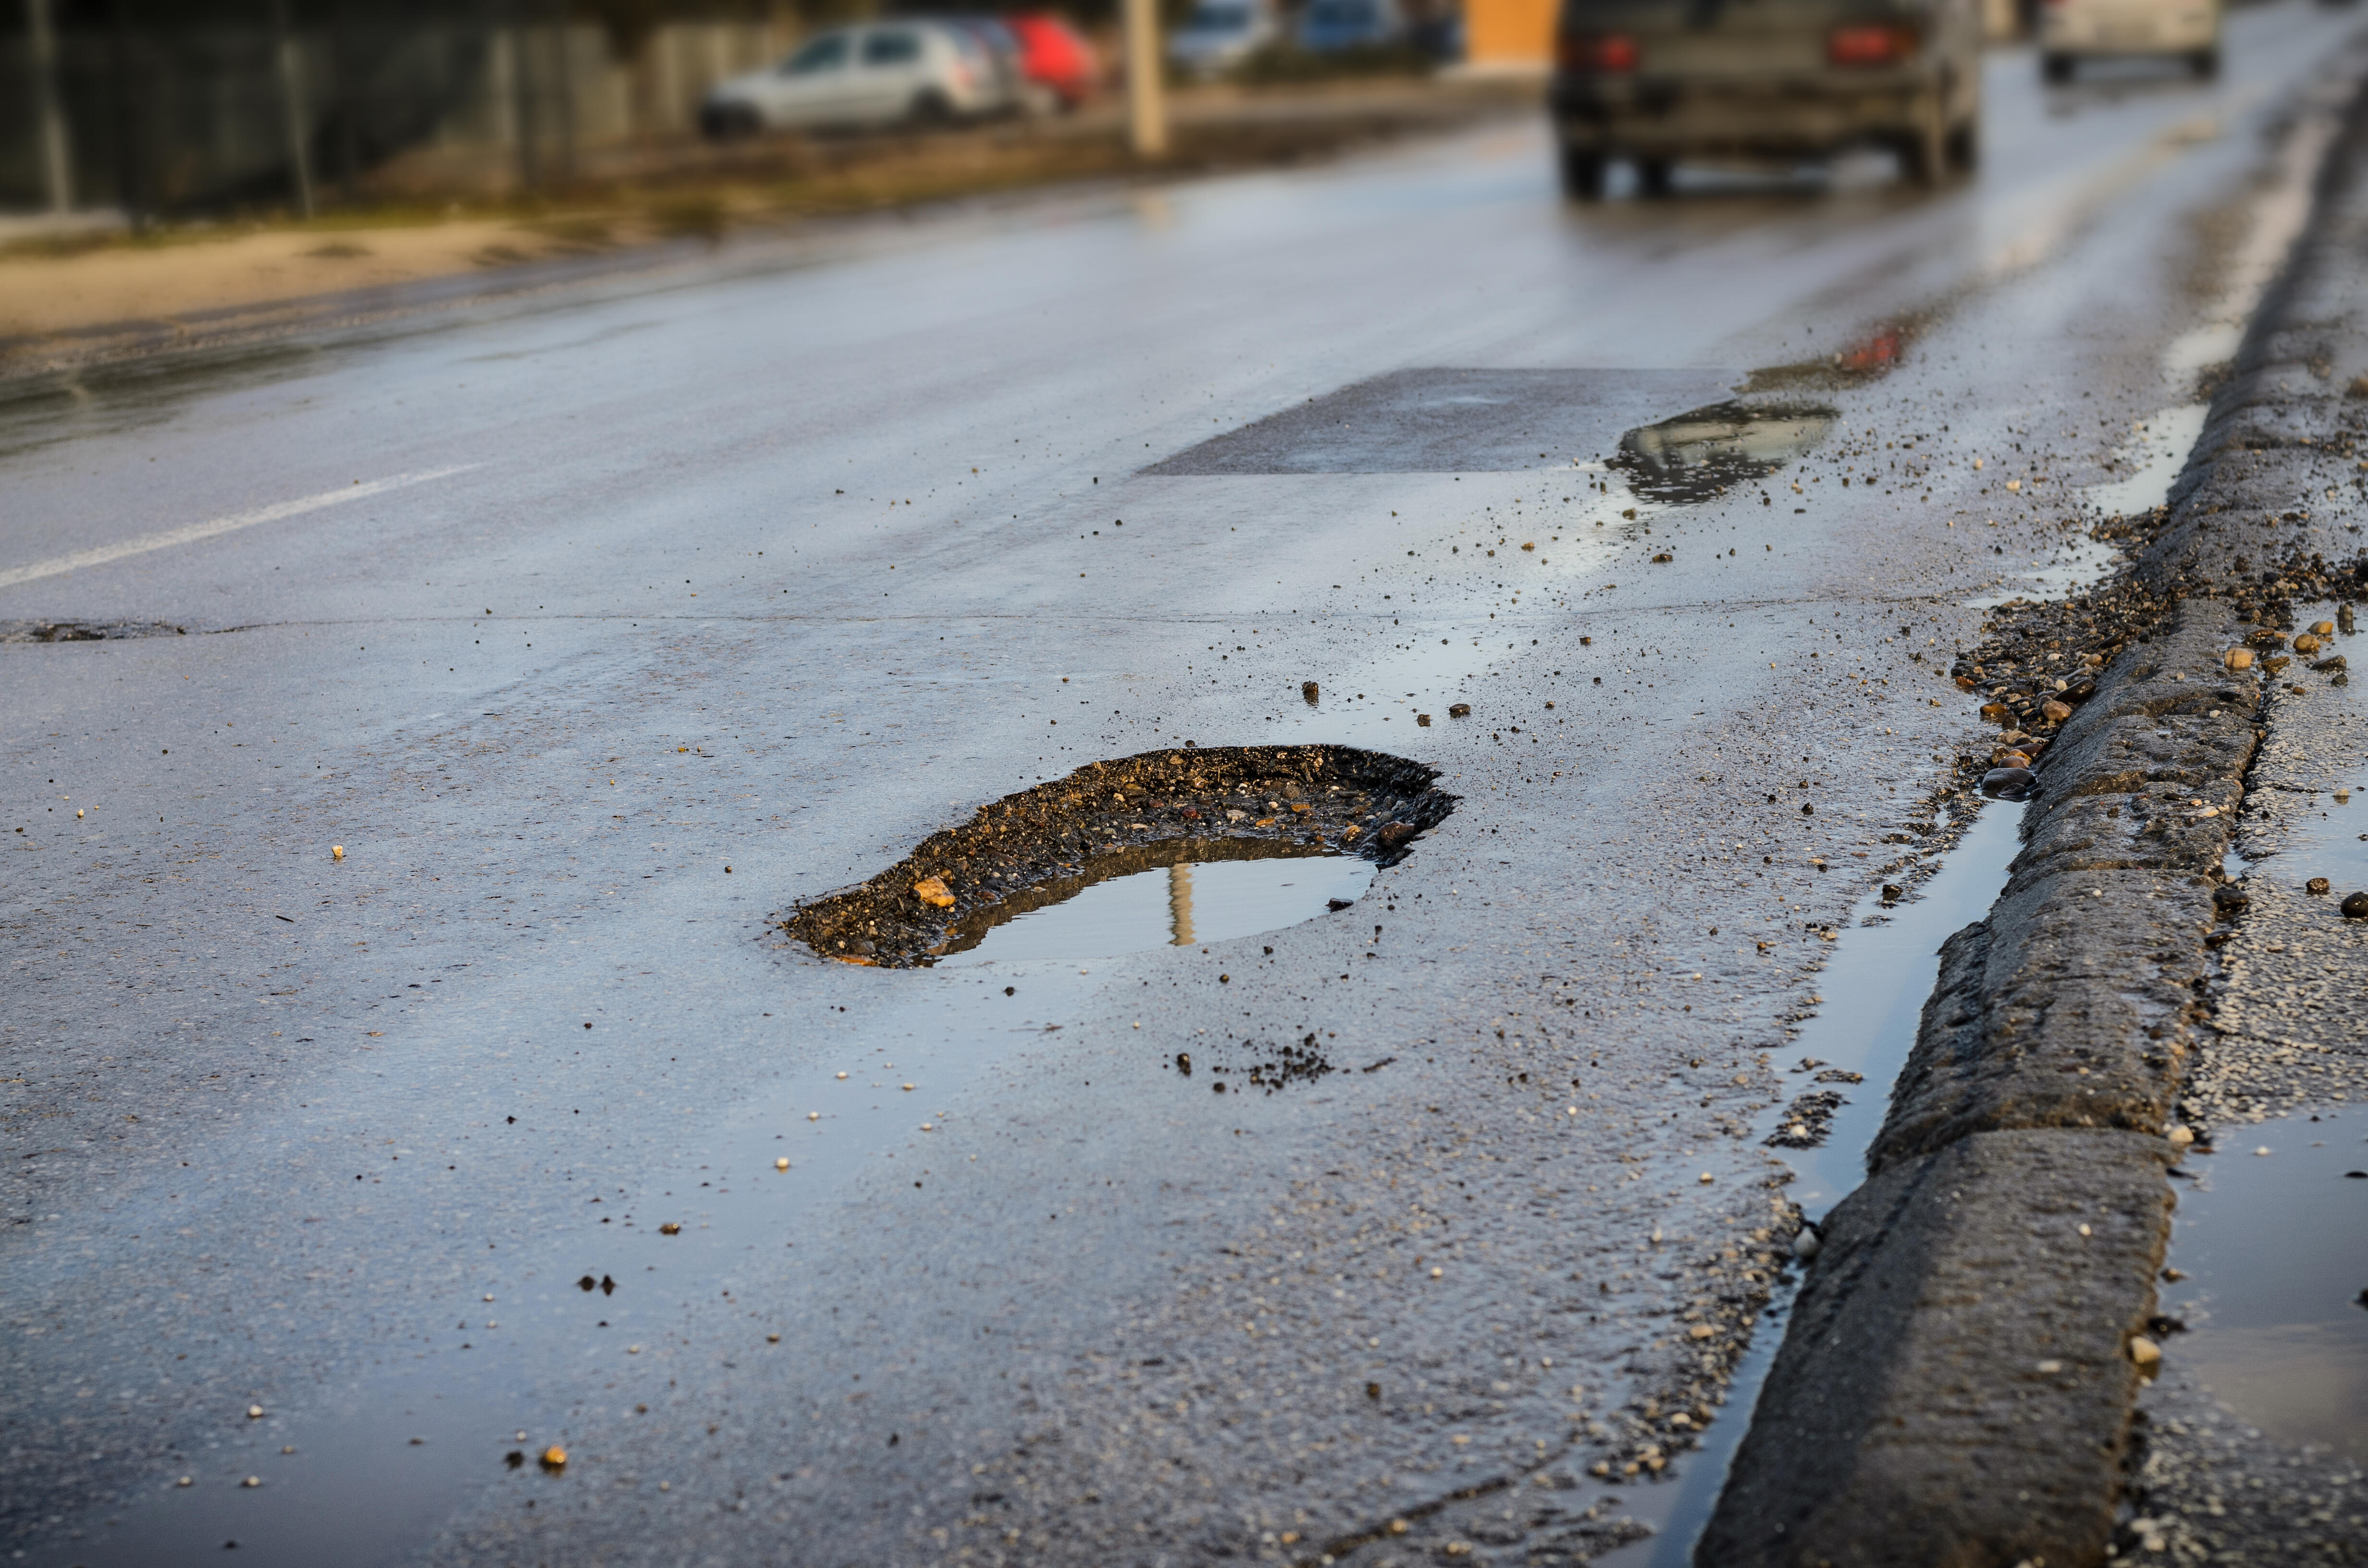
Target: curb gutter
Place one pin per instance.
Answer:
(1957, 1382)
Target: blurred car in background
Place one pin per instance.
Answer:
(1002, 46)
(1220, 33)
(905, 72)
(2069, 30)
(1661, 82)
(1055, 56)
(1328, 26)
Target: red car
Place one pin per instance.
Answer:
(1056, 56)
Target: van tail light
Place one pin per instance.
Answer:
(1870, 43)
(1604, 52)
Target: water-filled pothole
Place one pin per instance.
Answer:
(1696, 455)
(1086, 866)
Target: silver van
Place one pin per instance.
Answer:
(1662, 82)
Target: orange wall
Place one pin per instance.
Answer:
(1508, 33)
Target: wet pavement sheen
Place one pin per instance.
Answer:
(739, 584)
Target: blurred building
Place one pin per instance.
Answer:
(1511, 37)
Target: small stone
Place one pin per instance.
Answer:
(2355, 904)
(2055, 710)
(1309, 691)
(2315, 885)
(2306, 643)
(336, 851)
(670, 1228)
(2010, 783)
(2322, 628)
(933, 891)
(782, 1164)
(554, 1457)
(1807, 1243)
(2180, 1137)
(251, 1481)
(254, 1413)
(1700, 1331)
(1459, 709)
(2144, 1352)
(1891, 893)
(1423, 719)
(2240, 658)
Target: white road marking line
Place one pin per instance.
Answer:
(192, 532)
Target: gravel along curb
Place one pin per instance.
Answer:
(1957, 1385)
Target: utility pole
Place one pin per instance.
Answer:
(1179, 904)
(1146, 97)
(291, 98)
(57, 162)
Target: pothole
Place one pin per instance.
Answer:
(84, 631)
(1164, 848)
(1704, 451)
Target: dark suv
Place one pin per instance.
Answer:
(1762, 81)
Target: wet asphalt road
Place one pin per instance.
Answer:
(782, 561)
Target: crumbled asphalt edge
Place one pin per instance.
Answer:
(1956, 1385)
(1120, 816)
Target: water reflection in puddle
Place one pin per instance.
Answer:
(1190, 901)
(2272, 1246)
(1872, 991)
(1702, 452)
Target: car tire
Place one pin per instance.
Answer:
(2055, 68)
(729, 123)
(931, 110)
(2205, 64)
(1966, 147)
(1654, 175)
(1582, 173)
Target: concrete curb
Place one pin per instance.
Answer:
(1957, 1385)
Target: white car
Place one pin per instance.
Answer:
(1219, 33)
(886, 73)
(2070, 31)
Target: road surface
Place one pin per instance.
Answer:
(594, 628)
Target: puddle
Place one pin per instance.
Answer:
(353, 1493)
(1206, 898)
(1702, 453)
(2273, 1247)
(2157, 451)
(1875, 985)
(2152, 460)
